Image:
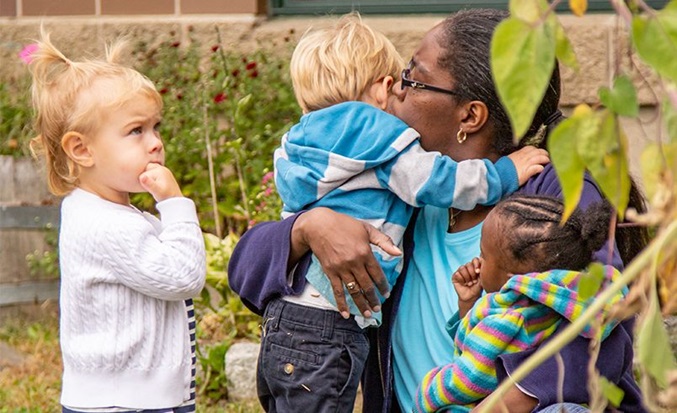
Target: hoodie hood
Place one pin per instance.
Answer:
(558, 290)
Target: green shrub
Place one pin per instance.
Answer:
(238, 105)
(15, 117)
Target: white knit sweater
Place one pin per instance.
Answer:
(124, 278)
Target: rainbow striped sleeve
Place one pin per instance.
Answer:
(472, 374)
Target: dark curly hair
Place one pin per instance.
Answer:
(537, 236)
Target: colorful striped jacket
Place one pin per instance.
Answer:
(526, 311)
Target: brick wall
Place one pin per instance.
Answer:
(87, 8)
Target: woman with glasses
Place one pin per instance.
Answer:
(348, 154)
(446, 93)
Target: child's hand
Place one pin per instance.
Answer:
(159, 182)
(529, 161)
(466, 282)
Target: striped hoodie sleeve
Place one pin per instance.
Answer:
(421, 178)
(472, 375)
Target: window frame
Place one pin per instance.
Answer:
(335, 7)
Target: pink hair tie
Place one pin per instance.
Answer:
(26, 54)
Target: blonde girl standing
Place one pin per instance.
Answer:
(127, 326)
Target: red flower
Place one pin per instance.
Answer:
(179, 96)
(220, 97)
(215, 48)
(235, 72)
(163, 91)
(176, 44)
(251, 66)
(254, 73)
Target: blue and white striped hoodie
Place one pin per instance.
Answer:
(363, 162)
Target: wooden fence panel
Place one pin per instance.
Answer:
(27, 210)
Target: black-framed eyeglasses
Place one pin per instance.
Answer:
(407, 82)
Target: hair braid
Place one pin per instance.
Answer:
(538, 236)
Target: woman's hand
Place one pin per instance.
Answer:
(342, 245)
(466, 281)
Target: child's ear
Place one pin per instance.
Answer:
(383, 91)
(76, 148)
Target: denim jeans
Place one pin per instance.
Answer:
(564, 408)
(311, 360)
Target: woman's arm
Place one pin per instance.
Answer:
(543, 382)
(258, 267)
(271, 259)
(514, 401)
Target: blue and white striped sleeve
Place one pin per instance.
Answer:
(421, 178)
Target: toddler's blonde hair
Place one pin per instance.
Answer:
(64, 100)
(338, 64)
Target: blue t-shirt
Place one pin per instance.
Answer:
(420, 342)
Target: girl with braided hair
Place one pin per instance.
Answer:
(530, 265)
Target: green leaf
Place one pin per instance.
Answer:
(654, 161)
(564, 156)
(564, 51)
(604, 155)
(590, 281)
(655, 38)
(669, 112)
(522, 60)
(653, 347)
(612, 392)
(242, 121)
(622, 99)
(529, 11)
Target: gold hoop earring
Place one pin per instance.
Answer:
(461, 136)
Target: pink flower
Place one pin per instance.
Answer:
(26, 54)
(268, 192)
(267, 177)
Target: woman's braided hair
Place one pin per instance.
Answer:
(538, 236)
